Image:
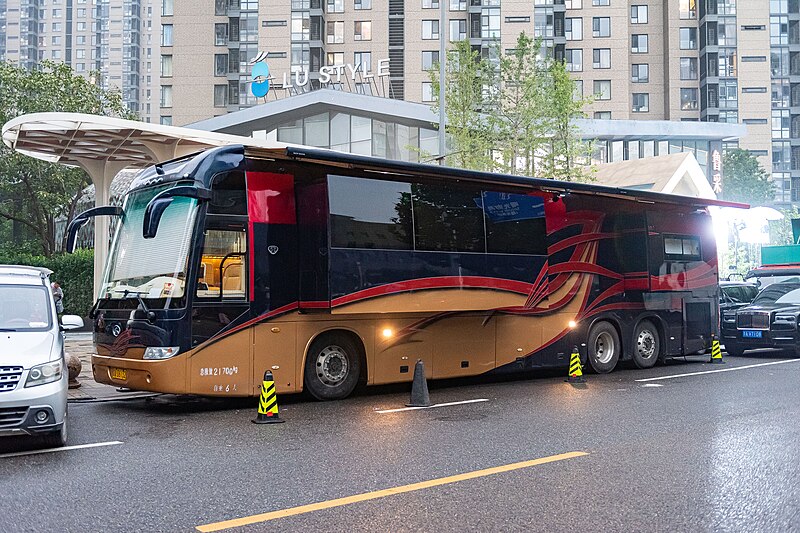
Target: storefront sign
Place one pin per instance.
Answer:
(360, 72)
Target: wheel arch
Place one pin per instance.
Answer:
(336, 330)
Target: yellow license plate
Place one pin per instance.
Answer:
(119, 373)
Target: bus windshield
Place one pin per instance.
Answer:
(150, 268)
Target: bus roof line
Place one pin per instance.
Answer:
(546, 185)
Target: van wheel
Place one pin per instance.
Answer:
(646, 345)
(57, 439)
(603, 347)
(333, 367)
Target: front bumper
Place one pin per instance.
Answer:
(18, 408)
(769, 339)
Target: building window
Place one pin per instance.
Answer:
(335, 33)
(728, 94)
(638, 14)
(779, 61)
(601, 2)
(602, 89)
(574, 59)
(543, 18)
(490, 23)
(573, 29)
(688, 68)
(166, 120)
(363, 4)
(780, 93)
(364, 59)
(726, 32)
(220, 7)
(220, 34)
(166, 8)
(166, 35)
(430, 4)
(574, 4)
(301, 25)
(166, 66)
(363, 30)
(688, 99)
(430, 29)
(429, 59)
(220, 95)
(427, 91)
(458, 30)
(780, 123)
(641, 103)
(688, 38)
(578, 95)
(688, 9)
(166, 96)
(602, 115)
(335, 58)
(601, 58)
(640, 73)
(639, 43)
(335, 6)
(56, 40)
(220, 64)
(601, 26)
(458, 5)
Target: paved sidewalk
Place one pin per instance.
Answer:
(81, 345)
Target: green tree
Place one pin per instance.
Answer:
(467, 76)
(568, 156)
(518, 106)
(745, 180)
(34, 193)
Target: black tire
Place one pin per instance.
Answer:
(333, 367)
(603, 348)
(56, 439)
(646, 345)
(733, 349)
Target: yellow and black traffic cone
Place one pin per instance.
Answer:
(716, 352)
(575, 371)
(268, 403)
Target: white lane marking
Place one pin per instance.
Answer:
(652, 385)
(383, 411)
(63, 449)
(720, 370)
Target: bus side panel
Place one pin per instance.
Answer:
(223, 368)
(275, 349)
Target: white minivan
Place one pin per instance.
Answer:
(33, 373)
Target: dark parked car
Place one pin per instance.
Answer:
(735, 294)
(769, 321)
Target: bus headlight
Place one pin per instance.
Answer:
(42, 374)
(160, 352)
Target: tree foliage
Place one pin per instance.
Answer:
(514, 114)
(745, 180)
(34, 193)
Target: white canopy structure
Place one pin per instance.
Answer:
(103, 146)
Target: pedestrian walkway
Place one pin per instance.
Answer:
(80, 344)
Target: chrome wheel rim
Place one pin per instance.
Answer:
(646, 344)
(332, 365)
(604, 348)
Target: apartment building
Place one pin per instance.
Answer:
(119, 39)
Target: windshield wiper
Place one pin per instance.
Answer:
(7, 329)
(138, 294)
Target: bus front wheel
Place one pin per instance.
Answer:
(333, 366)
(603, 347)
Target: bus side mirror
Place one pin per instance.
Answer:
(152, 216)
(156, 207)
(79, 221)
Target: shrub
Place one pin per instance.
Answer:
(74, 272)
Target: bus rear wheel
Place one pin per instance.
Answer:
(333, 367)
(646, 345)
(603, 347)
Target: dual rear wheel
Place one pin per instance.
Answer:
(605, 348)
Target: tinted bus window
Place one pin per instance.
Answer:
(228, 196)
(681, 248)
(515, 224)
(448, 219)
(369, 213)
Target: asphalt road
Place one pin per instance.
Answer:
(706, 452)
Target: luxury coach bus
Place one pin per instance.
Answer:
(333, 270)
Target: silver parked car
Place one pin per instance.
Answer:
(33, 373)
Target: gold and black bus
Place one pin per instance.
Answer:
(334, 270)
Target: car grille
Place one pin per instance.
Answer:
(11, 416)
(752, 320)
(9, 377)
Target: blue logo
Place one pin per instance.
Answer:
(260, 84)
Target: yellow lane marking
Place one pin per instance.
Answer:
(338, 502)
